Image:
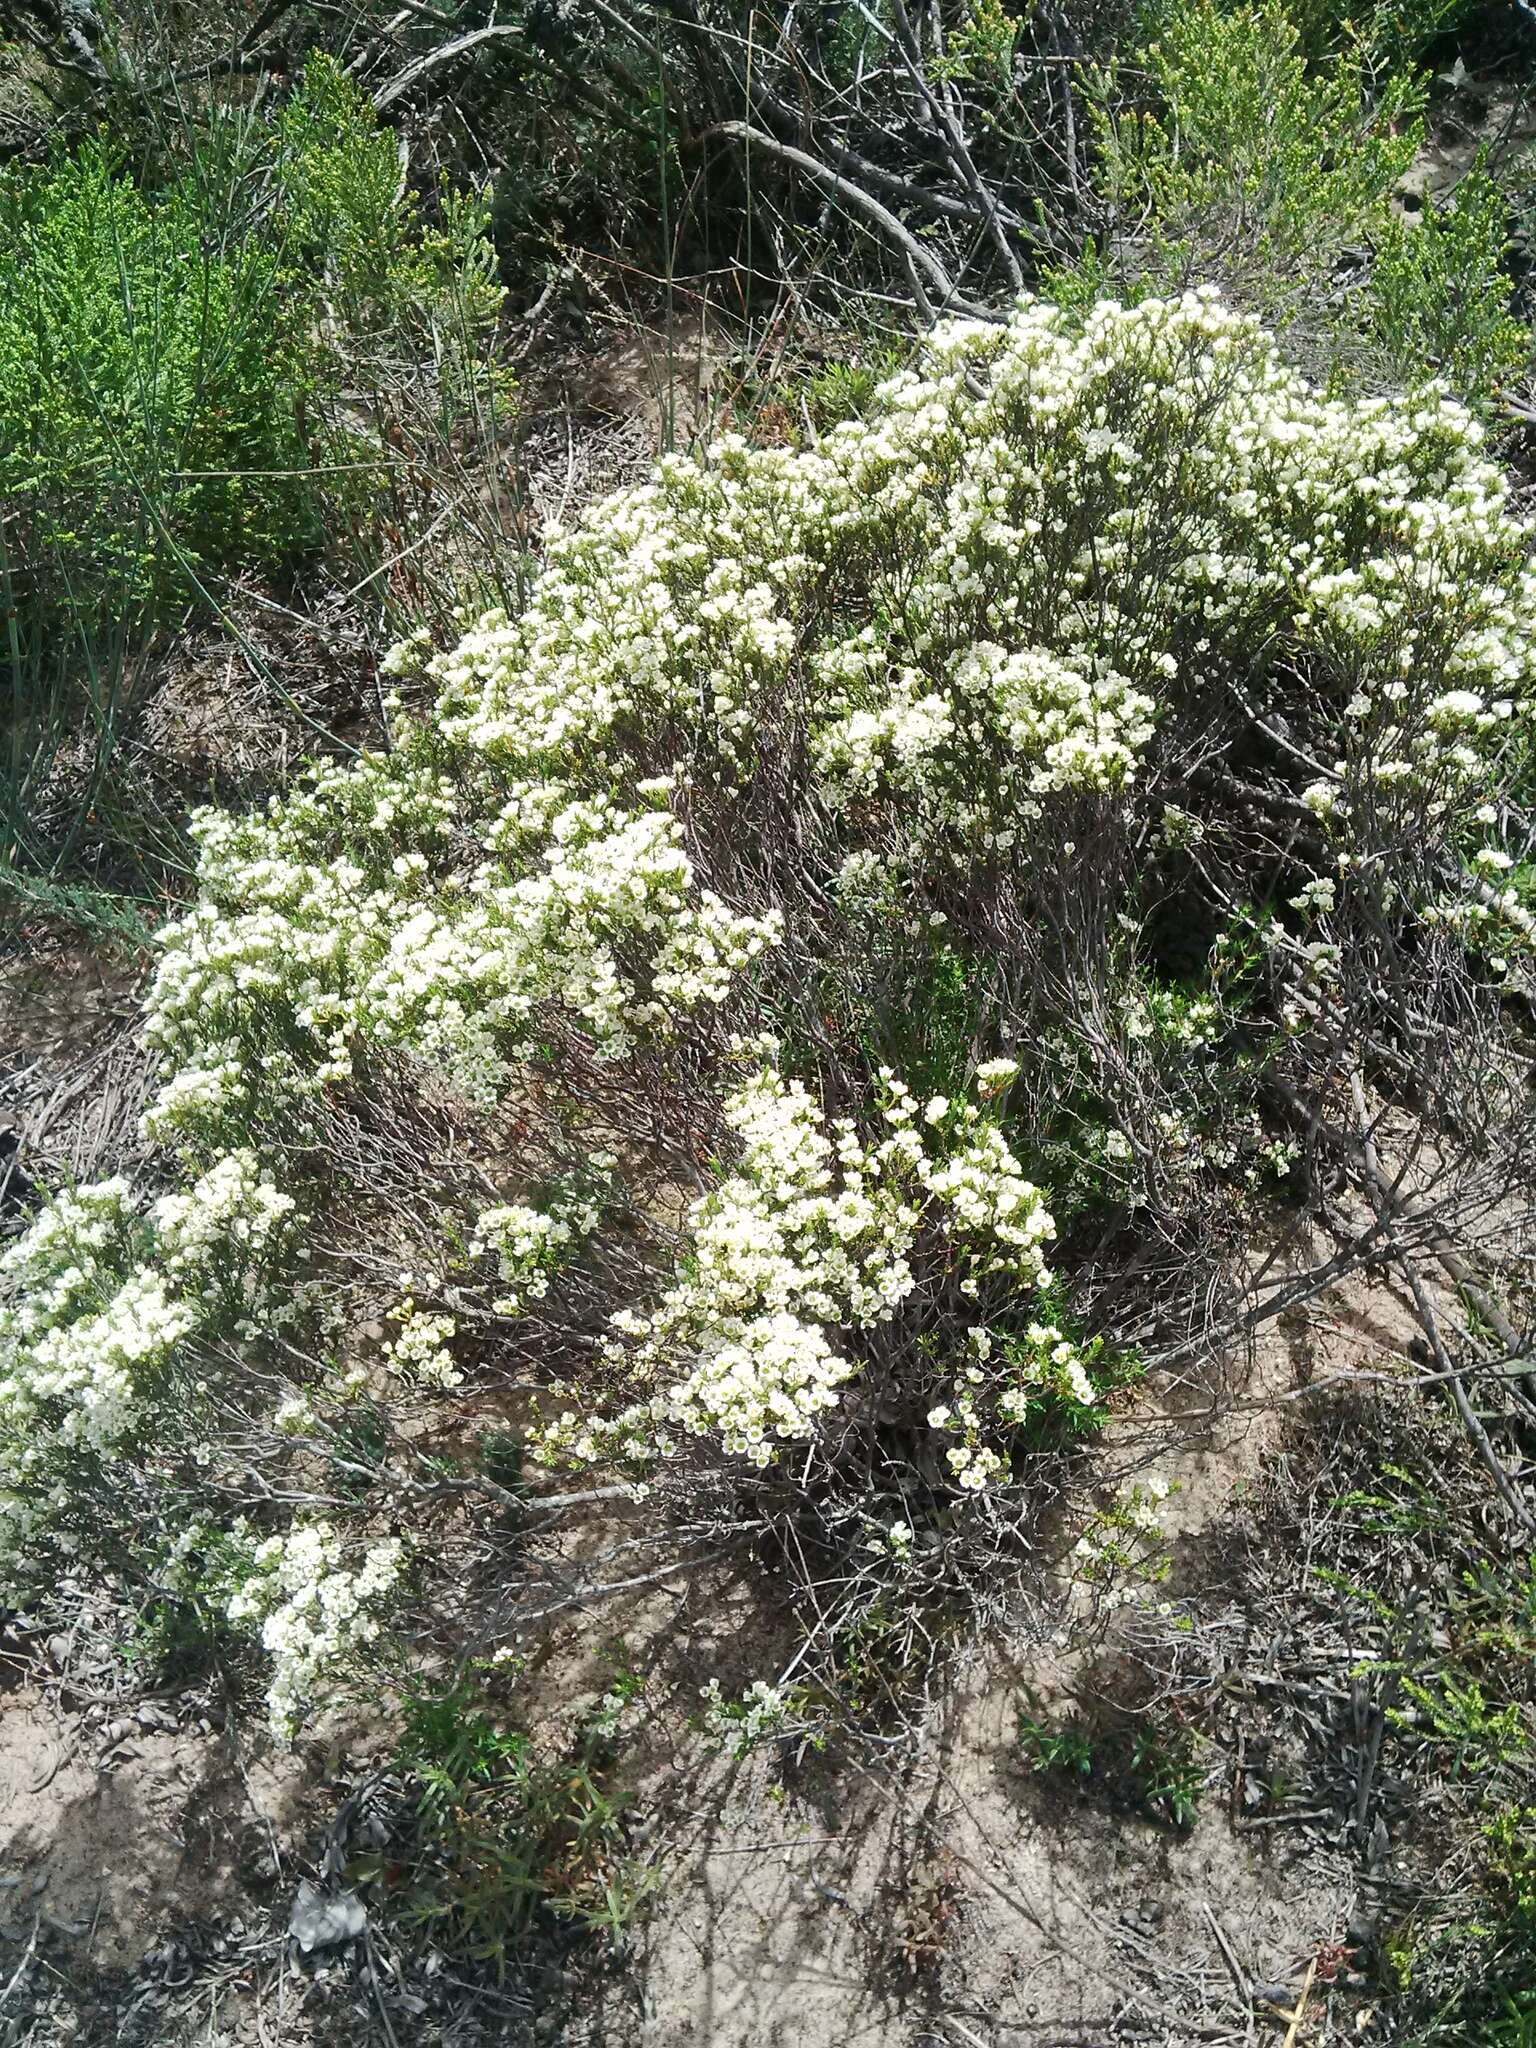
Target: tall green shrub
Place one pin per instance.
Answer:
(192, 359)
(1441, 295)
(149, 382)
(1264, 145)
(1246, 160)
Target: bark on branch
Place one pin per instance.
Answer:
(925, 265)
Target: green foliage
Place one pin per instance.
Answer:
(176, 1627)
(1393, 33)
(506, 1838)
(170, 1644)
(1510, 1837)
(846, 390)
(1456, 1620)
(1268, 151)
(1458, 1718)
(600, 166)
(877, 1654)
(112, 922)
(1470, 1702)
(1067, 1749)
(1166, 1772)
(1465, 1985)
(1248, 157)
(149, 386)
(980, 50)
(353, 233)
(357, 1449)
(1441, 295)
(930, 1037)
(1515, 2024)
(1153, 1768)
(343, 196)
(180, 359)
(503, 1459)
(797, 402)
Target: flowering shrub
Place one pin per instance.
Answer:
(530, 1244)
(814, 1230)
(314, 1613)
(877, 866)
(763, 1714)
(988, 597)
(105, 1306)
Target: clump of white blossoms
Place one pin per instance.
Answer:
(990, 594)
(763, 1713)
(420, 1348)
(811, 1240)
(102, 1303)
(1122, 1549)
(314, 1612)
(310, 945)
(530, 1242)
(98, 1291)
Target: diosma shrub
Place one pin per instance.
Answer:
(1093, 625)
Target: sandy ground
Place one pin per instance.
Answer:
(947, 1895)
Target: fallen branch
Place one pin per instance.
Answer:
(921, 259)
(445, 53)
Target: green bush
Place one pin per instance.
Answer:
(1247, 160)
(166, 362)
(353, 236)
(203, 368)
(1265, 149)
(1440, 292)
(506, 1838)
(150, 386)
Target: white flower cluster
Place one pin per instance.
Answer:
(1003, 1382)
(419, 1349)
(99, 1295)
(231, 1220)
(1122, 1550)
(1160, 1013)
(622, 1704)
(1047, 1359)
(738, 1726)
(530, 1243)
(314, 1612)
(808, 1241)
(99, 1301)
(1042, 584)
(309, 945)
(891, 1540)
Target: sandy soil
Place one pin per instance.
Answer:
(949, 1895)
